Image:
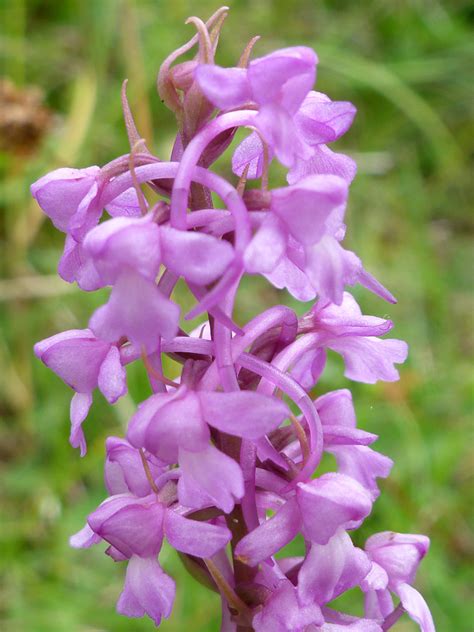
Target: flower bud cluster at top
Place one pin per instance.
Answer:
(223, 462)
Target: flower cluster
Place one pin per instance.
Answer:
(223, 462)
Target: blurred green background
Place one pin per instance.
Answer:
(406, 66)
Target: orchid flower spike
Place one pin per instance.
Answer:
(223, 460)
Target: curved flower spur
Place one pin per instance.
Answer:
(223, 462)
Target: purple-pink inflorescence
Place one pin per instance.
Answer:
(223, 462)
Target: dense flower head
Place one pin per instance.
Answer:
(223, 460)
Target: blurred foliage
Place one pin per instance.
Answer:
(406, 65)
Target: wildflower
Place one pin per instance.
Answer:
(277, 84)
(343, 329)
(175, 428)
(319, 121)
(395, 559)
(61, 192)
(134, 528)
(124, 471)
(228, 452)
(319, 508)
(84, 362)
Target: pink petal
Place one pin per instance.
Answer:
(148, 590)
(177, 424)
(283, 77)
(131, 525)
(124, 243)
(125, 205)
(198, 257)
(77, 265)
(192, 495)
(138, 310)
(214, 473)
(80, 405)
(139, 422)
(329, 268)
(60, 192)
(112, 376)
(194, 537)
(322, 569)
(340, 622)
(279, 132)
(376, 578)
(370, 359)
(226, 88)
(288, 274)
(84, 538)
(87, 215)
(331, 569)
(416, 607)
(398, 553)
(283, 612)
(71, 334)
(336, 408)
(344, 436)
(129, 605)
(249, 152)
(330, 502)
(363, 464)
(271, 535)
(124, 471)
(267, 247)
(243, 413)
(305, 207)
(378, 604)
(347, 319)
(74, 357)
(309, 367)
(322, 160)
(321, 120)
